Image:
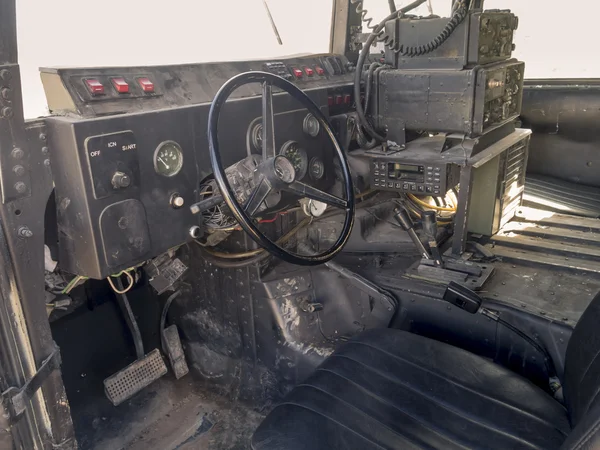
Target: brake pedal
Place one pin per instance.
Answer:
(136, 376)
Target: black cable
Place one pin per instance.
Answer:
(163, 318)
(361, 62)
(363, 141)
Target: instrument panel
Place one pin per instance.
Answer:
(124, 182)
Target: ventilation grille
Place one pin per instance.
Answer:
(135, 377)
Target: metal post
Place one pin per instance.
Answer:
(459, 241)
(26, 184)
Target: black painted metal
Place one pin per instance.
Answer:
(238, 211)
(26, 186)
(563, 114)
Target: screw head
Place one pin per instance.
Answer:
(21, 187)
(25, 232)
(5, 93)
(42, 136)
(7, 112)
(5, 74)
(17, 153)
(45, 150)
(47, 162)
(19, 170)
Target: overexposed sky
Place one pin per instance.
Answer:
(553, 42)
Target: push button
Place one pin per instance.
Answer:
(309, 72)
(94, 86)
(297, 72)
(146, 85)
(320, 71)
(120, 85)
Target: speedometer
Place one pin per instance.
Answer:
(297, 156)
(168, 159)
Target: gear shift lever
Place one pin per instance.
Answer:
(407, 225)
(430, 229)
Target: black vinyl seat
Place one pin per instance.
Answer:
(389, 389)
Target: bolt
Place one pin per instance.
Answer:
(45, 150)
(19, 171)
(17, 153)
(21, 187)
(42, 136)
(5, 74)
(25, 232)
(5, 93)
(7, 112)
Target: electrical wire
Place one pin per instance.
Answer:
(427, 205)
(128, 288)
(73, 283)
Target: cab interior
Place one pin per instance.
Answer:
(391, 245)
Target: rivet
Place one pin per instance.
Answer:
(7, 112)
(45, 150)
(5, 93)
(19, 170)
(42, 136)
(21, 187)
(17, 153)
(47, 162)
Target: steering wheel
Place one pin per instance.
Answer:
(276, 173)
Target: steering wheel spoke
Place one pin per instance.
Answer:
(268, 122)
(304, 190)
(257, 198)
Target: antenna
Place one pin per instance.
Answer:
(277, 35)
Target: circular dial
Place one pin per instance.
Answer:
(317, 168)
(168, 159)
(297, 156)
(311, 125)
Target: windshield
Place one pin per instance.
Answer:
(151, 32)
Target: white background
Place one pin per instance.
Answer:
(554, 42)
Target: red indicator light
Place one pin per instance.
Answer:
(297, 72)
(94, 86)
(347, 99)
(146, 85)
(330, 100)
(120, 85)
(309, 72)
(338, 99)
(320, 70)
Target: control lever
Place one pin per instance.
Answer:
(205, 205)
(430, 229)
(407, 225)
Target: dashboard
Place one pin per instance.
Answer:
(129, 148)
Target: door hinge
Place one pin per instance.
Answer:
(16, 400)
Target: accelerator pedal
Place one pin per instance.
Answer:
(136, 376)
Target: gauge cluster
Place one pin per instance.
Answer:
(125, 183)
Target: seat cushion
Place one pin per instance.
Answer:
(389, 389)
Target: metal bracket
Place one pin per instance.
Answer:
(16, 400)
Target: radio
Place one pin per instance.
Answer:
(417, 178)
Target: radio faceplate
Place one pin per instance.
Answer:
(417, 178)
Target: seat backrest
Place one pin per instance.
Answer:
(582, 380)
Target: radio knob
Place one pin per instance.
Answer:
(121, 180)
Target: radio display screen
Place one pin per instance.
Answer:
(406, 168)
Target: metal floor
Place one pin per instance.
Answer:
(548, 262)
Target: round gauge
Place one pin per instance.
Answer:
(317, 168)
(311, 126)
(168, 159)
(297, 156)
(256, 133)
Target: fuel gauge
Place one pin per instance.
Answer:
(168, 159)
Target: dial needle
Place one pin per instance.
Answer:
(166, 165)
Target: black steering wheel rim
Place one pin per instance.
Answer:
(244, 220)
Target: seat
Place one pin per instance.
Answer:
(390, 389)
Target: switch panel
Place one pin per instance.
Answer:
(113, 162)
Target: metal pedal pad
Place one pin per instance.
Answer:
(135, 377)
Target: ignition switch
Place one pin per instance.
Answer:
(121, 180)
